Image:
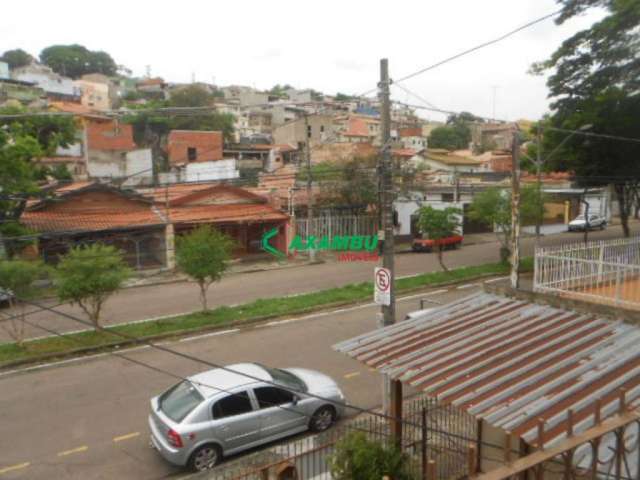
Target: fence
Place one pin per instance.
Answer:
(432, 435)
(338, 225)
(606, 272)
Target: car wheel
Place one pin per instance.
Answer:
(205, 458)
(602, 226)
(322, 419)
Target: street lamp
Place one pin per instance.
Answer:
(539, 162)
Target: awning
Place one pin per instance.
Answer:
(511, 362)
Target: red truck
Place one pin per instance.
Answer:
(427, 245)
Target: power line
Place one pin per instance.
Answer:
(208, 363)
(478, 47)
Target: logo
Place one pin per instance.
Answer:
(267, 247)
(350, 247)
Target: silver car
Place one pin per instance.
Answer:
(216, 413)
(580, 223)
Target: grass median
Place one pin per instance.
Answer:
(233, 316)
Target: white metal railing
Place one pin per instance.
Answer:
(338, 225)
(605, 272)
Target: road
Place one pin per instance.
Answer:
(140, 303)
(86, 418)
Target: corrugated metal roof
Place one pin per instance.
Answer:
(510, 362)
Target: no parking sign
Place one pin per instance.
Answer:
(382, 286)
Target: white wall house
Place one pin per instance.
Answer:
(47, 79)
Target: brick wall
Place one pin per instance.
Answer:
(207, 146)
(110, 136)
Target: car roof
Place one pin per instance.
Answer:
(219, 380)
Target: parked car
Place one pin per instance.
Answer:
(5, 297)
(420, 244)
(580, 223)
(219, 412)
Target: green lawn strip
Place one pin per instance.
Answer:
(230, 316)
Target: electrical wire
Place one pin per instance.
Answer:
(193, 358)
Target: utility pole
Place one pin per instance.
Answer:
(392, 389)
(538, 177)
(307, 153)
(515, 211)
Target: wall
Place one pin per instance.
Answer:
(138, 164)
(292, 133)
(407, 207)
(218, 170)
(208, 146)
(47, 79)
(118, 164)
(4, 70)
(94, 95)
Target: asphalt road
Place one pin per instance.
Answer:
(86, 418)
(140, 303)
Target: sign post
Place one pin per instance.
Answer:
(382, 286)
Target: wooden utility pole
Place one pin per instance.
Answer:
(538, 177)
(307, 154)
(392, 389)
(515, 211)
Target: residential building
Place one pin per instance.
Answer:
(315, 130)
(246, 96)
(55, 87)
(359, 129)
(188, 146)
(342, 152)
(412, 137)
(155, 87)
(116, 87)
(94, 95)
(4, 71)
(260, 121)
(27, 93)
(435, 160)
(492, 136)
(261, 157)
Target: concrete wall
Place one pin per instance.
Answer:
(205, 171)
(118, 164)
(4, 70)
(408, 207)
(94, 94)
(292, 133)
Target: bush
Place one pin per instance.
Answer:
(359, 458)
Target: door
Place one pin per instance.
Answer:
(279, 414)
(235, 422)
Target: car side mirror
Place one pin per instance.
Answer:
(295, 400)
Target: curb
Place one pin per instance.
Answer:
(242, 325)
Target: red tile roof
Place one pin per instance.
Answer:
(56, 221)
(225, 213)
(403, 152)
(356, 127)
(411, 132)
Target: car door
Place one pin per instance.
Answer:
(280, 413)
(235, 422)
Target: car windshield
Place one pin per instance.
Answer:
(580, 217)
(180, 400)
(286, 379)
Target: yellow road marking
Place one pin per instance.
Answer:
(352, 374)
(72, 451)
(19, 466)
(125, 437)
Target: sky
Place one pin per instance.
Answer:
(329, 46)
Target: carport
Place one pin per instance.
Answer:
(533, 376)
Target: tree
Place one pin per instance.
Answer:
(89, 275)
(352, 183)
(191, 96)
(439, 224)
(76, 60)
(203, 254)
(595, 80)
(16, 58)
(280, 90)
(357, 457)
(23, 140)
(16, 281)
(493, 207)
(450, 137)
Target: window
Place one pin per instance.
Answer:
(272, 396)
(308, 131)
(236, 404)
(180, 400)
(192, 154)
(321, 128)
(447, 197)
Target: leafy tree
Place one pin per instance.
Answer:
(203, 254)
(89, 275)
(16, 58)
(493, 207)
(280, 90)
(191, 96)
(76, 60)
(352, 183)
(595, 80)
(22, 140)
(451, 137)
(16, 281)
(439, 224)
(343, 97)
(358, 457)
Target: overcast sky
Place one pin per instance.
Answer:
(326, 45)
